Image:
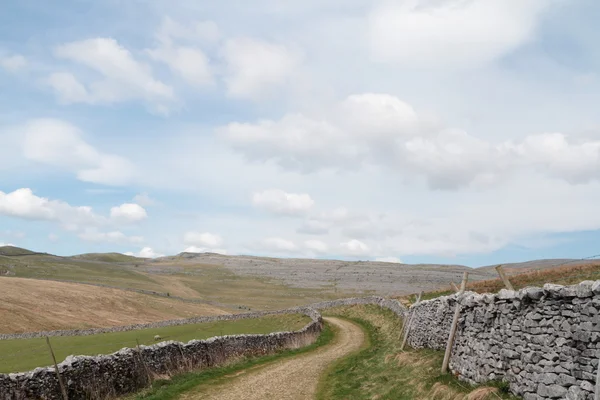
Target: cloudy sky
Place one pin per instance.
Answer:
(455, 131)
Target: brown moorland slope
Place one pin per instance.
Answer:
(37, 305)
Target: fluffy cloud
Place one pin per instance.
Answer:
(22, 203)
(123, 78)
(196, 249)
(558, 155)
(13, 63)
(382, 131)
(191, 64)
(394, 260)
(279, 202)
(256, 68)
(144, 200)
(68, 88)
(440, 34)
(92, 235)
(355, 248)
(2, 244)
(58, 143)
(204, 240)
(128, 212)
(146, 252)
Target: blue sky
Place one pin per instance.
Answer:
(453, 131)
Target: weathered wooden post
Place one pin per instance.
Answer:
(504, 278)
(63, 389)
(139, 353)
(597, 392)
(409, 323)
(450, 343)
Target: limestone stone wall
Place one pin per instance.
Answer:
(128, 370)
(544, 341)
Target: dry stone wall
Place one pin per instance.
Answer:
(129, 370)
(545, 342)
(394, 305)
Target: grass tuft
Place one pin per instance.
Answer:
(381, 371)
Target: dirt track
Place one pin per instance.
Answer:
(294, 378)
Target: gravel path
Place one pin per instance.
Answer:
(294, 378)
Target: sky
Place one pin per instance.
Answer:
(418, 131)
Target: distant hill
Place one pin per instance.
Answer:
(537, 265)
(15, 251)
(108, 257)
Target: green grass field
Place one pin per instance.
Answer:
(381, 371)
(26, 354)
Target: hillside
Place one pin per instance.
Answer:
(34, 305)
(249, 281)
(362, 276)
(14, 251)
(108, 257)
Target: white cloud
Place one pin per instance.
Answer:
(257, 69)
(355, 248)
(278, 245)
(144, 200)
(196, 249)
(452, 33)
(280, 202)
(191, 64)
(53, 237)
(205, 240)
(128, 212)
(13, 63)
(22, 203)
(92, 235)
(123, 77)
(58, 143)
(68, 88)
(146, 252)
(557, 155)
(316, 246)
(378, 130)
(395, 260)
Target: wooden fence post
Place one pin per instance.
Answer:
(450, 343)
(454, 287)
(504, 278)
(597, 391)
(139, 352)
(410, 321)
(63, 389)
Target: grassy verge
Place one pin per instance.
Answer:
(564, 275)
(26, 354)
(381, 371)
(172, 388)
